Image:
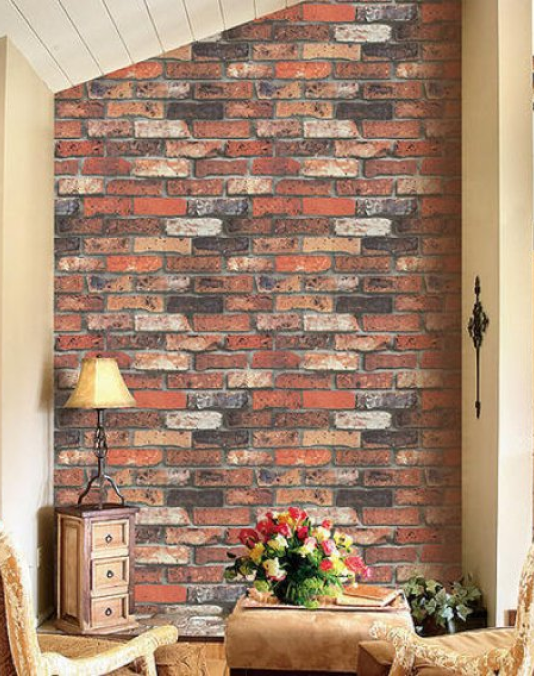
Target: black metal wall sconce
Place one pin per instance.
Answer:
(477, 326)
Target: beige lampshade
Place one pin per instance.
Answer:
(100, 385)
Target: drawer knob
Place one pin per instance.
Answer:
(110, 574)
(109, 538)
(108, 612)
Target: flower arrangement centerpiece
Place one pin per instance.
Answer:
(296, 561)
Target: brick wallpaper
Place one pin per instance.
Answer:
(264, 229)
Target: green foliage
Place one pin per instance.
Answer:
(431, 601)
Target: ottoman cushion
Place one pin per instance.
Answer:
(301, 640)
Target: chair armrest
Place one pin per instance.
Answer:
(409, 647)
(110, 660)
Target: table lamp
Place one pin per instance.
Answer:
(100, 386)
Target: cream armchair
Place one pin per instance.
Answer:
(517, 659)
(21, 653)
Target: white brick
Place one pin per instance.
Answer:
(360, 420)
(250, 379)
(150, 322)
(80, 186)
(164, 168)
(193, 420)
(363, 227)
(360, 33)
(335, 168)
(162, 555)
(330, 129)
(338, 322)
(161, 362)
(191, 227)
(161, 129)
(162, 516)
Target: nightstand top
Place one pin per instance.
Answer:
(109, 509)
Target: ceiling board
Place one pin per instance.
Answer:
(205, 17)
(73, 41)
(99, 33)
(135, 25)
(49, 20)
(17, 29)
(171, 22)
(237, 13)
(264, 7)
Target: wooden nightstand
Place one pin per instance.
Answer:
(95, 568)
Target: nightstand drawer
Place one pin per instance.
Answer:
(107, 612)
(110, 537)
(95, 565)
(109, 576)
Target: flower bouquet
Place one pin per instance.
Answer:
(296, 561)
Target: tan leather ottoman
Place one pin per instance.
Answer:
(376, 657)
(264, 640)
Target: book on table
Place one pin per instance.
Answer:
(368, 595)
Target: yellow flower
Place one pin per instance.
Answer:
(309, 546)
(278, 543)
(343, 540)
(257, 552)
(273, 570)
(321, 533)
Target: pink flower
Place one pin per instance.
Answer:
(326, 565)
(297, 514)
(327, 524)
(356, 565)
(266, 528)
(302, 532)
(248, 537)
(311, 543)
(329, 547)
(284, 530)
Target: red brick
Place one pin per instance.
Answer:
(134, 263)
(226, 129)
(327, 12)
(168, 400)
(159, 206)
(302, 263)
(281, 399)
(307, 71)
(335, 400)
(134, 457)
(107, 205)
(328, 206)
(160, 593)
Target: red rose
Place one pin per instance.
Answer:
(266, 528)
(302, 532)
(249, 537)
(297, 514)
(329, 547)
(326, 565)
(327, 524)
(284, 530)
(356, 565)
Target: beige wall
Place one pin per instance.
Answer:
(497, 245)
(26, 312)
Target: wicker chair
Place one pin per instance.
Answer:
(24, 653)
(417, 655)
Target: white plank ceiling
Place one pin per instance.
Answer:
(73, 41)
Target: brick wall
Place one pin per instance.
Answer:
(264, 229)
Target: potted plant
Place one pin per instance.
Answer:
(437, 610)
(297, 562)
